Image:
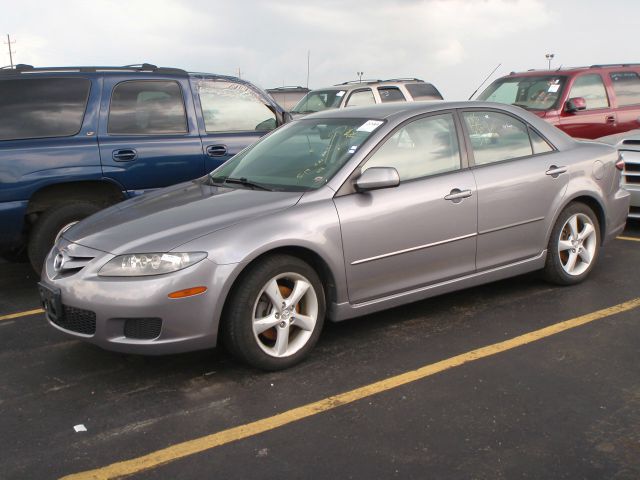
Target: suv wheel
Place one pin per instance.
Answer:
(51, 224)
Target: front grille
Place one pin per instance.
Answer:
(142, 328)
(77, 320)
(631, 172)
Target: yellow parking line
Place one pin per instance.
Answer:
(631, 239)
(190, 447)
(21, 314)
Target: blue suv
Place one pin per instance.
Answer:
(74, 140)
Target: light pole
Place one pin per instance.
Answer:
(360, 75)
(549, 57)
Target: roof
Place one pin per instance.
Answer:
(576, 70)
(356, 84)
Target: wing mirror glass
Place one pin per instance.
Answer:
(375, 178)
(575, 104)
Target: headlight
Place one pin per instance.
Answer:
(142, 264)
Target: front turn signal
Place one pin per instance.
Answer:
(188, 292)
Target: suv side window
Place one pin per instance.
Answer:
(42, 107)
(626, 86)
(391, 94)
(423, 91)
(233, 107)
(427, 146)
(359, 98)
(147, 107)
(496, 137)
(591, 88)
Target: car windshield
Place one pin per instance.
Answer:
(300, 156)
(319, 100)
(533, 93)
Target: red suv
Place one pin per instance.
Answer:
(585, 102)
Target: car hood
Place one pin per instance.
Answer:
(165, 219)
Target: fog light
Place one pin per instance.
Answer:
(188, 292)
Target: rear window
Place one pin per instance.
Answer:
(423, 91)
(42, 107)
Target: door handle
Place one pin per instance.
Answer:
(555, 171)
(456, 195)
(125, 155)
(611, 119)
(216, 150)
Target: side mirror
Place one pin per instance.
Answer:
(375, 178)
(575, 104)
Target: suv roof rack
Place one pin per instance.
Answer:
(404, 79)
(369, 80)
(289, 87)
(142, 67)
(604, 65)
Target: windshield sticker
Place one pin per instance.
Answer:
(340, 93)
(553, 88)
(369, 126)
(353, 149)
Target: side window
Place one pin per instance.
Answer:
(626, 86)
(423, 147)
(591, 88)
(495, 137)
(391, 94)
(147, 107)
(42, 107)
(233, 107)
(360, 98)
(539, 144)
(423, 91)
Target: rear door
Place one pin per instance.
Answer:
(599, 118)
(626, 88)
(148, 134)
(519, 176)
(420, 232)
(232, 116)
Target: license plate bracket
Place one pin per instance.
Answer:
(51, 301)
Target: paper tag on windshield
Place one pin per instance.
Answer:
(369, 126)
(340, 93)
(553, 88)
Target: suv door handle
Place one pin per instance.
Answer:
(124, 155)
(611, 119)
(216, 150)
(555, 171)
(456, 195)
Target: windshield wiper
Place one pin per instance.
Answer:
(241, 181)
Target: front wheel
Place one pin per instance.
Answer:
(275, 313)
(574, 245)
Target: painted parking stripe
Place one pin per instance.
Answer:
(191, 447)
(631, 239)
(21, 314)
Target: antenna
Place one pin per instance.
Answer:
(11, 52)
(483, 82)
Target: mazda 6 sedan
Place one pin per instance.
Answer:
(338, 214)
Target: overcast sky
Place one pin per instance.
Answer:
(451, 43)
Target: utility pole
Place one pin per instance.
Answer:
(239, 73)
(308, 62)
(11, 52)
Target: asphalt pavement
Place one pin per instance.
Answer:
(515, 379)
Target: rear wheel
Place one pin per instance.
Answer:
(275, 313)
(53, 223)
(574, 245)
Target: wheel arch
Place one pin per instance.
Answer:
(101, 192)
(590, 201)
(305, 254)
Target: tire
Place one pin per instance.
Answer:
(275, 313)
(50, 224)
(574, 245)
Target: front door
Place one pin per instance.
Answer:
(420, 232)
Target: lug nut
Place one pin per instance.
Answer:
(277, 315)
(282, 324)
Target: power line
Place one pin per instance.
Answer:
(8, 43)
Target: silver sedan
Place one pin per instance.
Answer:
(336, 215)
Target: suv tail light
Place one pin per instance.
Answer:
(620, 162)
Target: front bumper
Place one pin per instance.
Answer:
(116, 303)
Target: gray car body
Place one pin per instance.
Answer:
(373, 250)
